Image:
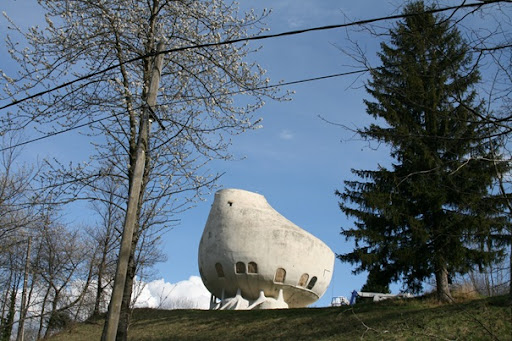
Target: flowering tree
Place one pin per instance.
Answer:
(204, 95)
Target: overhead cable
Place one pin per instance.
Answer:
(183, 101)
(245, 39)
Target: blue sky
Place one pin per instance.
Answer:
(296, 160)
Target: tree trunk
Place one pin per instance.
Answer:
(101, 269)
(51, 321)
(442, 286)
(99, 292)
(5, 302)
(124, 318)
(111, 324)
(9, 320)
(23, 307)
(510, 270)
(41, 321)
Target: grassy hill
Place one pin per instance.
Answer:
(412, 319)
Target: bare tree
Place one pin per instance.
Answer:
(10, 294)
(105, 235)
(491, 44)
(24, 303)
(18, 203)
(495, 48)
(18, 214)
(205, 94)
(63, 261)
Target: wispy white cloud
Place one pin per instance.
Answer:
(286, 134)
(299, 14)
(295, 22)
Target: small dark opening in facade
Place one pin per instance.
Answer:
(240, 268)
(252, 268)
(219, 269)
(280, 275)
(312, 283)
(230, 203)
(303, 280)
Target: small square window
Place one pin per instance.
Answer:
(252, 268)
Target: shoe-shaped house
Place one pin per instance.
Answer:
(251, 257)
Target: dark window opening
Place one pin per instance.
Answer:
(312, 283)
(219, 269)
(240, 268)
(230, 203)
(303, 280)
(252, 268)
(280, 275)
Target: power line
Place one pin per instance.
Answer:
(295, 32)
(57, 133)
(185, 101)
(246, 39)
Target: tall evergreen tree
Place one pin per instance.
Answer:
(426, 214)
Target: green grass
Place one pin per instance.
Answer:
(412, 319)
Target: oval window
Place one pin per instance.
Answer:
(219, 269)
(303, 280)
(312, 283)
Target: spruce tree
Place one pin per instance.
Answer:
(427, 214)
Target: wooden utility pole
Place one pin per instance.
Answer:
(114, 308)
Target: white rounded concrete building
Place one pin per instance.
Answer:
(251, 257)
